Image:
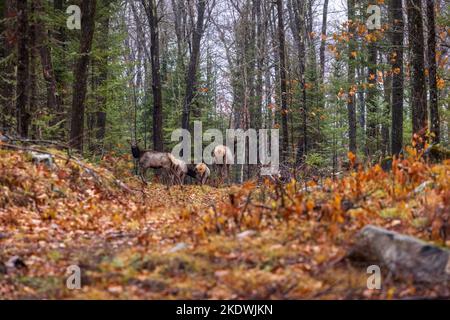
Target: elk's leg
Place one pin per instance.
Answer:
(169, 174)
(142, 173)
(181, 180)
(224, 176)
(204, 179)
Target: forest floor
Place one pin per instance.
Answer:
(252, 241)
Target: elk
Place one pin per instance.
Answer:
(203, 172)
(223, 158)
(149, 159)
(178, 169)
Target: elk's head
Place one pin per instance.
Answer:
(135, 150)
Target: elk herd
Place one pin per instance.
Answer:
(177, 170)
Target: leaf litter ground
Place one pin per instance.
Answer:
(266, 241)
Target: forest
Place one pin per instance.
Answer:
(95, 202)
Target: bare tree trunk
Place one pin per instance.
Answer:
(298, 30)
(351, 79)
(191, 76)
(60, 37)
(53, 103)
(323, 38)
(261, 32)
(152, 15)
(88, 7)
(7, 31)
(416, 43)
(385, 115)
(372, 123)
(434, 107)
(23, 66)
(100, 113)
(283, 85)
(361, 101)
(33, 61)
(396, 59)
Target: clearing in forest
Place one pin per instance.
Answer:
(267, 241)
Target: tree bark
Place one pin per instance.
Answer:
(7, 30)
(283, 85)
(298, 31)
(385, 148)
(323, 38)
(396, 59)
(152, 15)
(33, 62)
(88, 7)
(53, 103)
(351, 78)
(60, 36)
(432, 77)
(417, 74)
(191, 76)
(23, 66)
(102, 78)
(372, 123)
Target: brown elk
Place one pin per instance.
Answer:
(203, 172)
(223, 158)
(178, 169)
(200, 172)
(149, 159)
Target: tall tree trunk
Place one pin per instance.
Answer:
(323, 39)
(351, 78)
(7, 36)
(23, 66)
(417, 74)
(60, 37)
(33, 62)
(102, 63)
(152, 15)
(261, 31)
(191, 76)
(396, 59)
(434, 109)
(53, 102)
(385, 115)
(361, 100)
(298, 30)
(179, 12)
(372, 123)
(88, 7)
(283, 85)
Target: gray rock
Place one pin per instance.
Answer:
(404, 256)
(179, 246)
(15, 262)
(422, 187)
(44, 158)
(245, 234)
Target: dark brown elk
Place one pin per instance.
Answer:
(223, 158)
